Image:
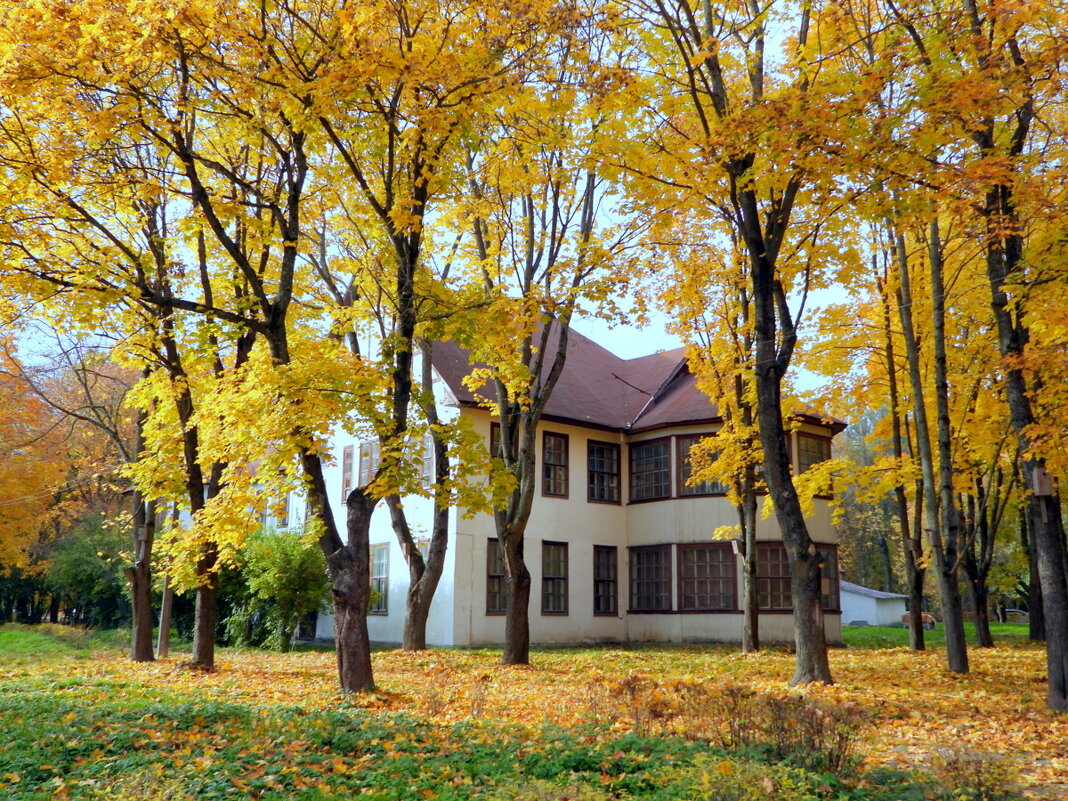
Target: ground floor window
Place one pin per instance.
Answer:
(379, 580)
(554, 578)
(605, 586)
(650, 578)
(774, 590)
(494, 578)
(706, 577)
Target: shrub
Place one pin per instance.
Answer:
(968, 775)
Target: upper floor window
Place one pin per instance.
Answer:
(650, 469)
(370, 456)
(812, 450)
(346, 472)
(685, 444)
(554, 464)
(603, 464)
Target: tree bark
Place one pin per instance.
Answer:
(140, 577)
(1036, 621)
(516, 617)
(206, 609)
(163, 641)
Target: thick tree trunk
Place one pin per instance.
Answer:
(980, 598)
(517, 604)
(424, 578)
(53, 609)
(1036, 620)
(140, 578)
(350, 571)
(206, 609)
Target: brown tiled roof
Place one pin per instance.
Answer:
(600, 389)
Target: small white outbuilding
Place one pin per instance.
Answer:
(865, 606)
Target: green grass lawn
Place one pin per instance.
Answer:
(895, 637)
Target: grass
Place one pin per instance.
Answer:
(898, 637)
(452, 725)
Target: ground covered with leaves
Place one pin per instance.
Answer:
(78, 721)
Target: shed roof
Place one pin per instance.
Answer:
(868, 592)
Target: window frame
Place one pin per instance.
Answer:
(763, 548)
(564, 475)
(664, 594)
(347, 462)
(370, 459)
(633, 449)
(802, 435)
(682, 454)
(591, 472)
(559, 587)
(611, 582)
(831, 601)
(495, 581)
(730, 577)
(379, 582)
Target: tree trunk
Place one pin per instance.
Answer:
(980, 597)
(163, 641)
(53, 609)
(945, 573)
(207, 609)
(1036, 620)
(350, 570)
(946, 546)
(750, 599)
(140, 578)
(516, 617)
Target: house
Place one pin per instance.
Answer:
(619, 544)
(865, 606)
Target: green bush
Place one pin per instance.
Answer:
(968, 775)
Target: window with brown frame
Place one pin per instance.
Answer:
(379, 580)
(554, 464)
(370, 457)
(650, 470)
(602, 460)
(605, 579)
(706, 577)
(829, 591)
(812, 450)
(346, 472)
(650, 578)
(773, 577)
(495, 600)
(553, 578)
(684, 444)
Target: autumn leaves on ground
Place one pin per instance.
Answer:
(78, 721)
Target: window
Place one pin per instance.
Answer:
(379, 579)
(346, 473)
(554, 465)
(370, 456)
(650, 470)
(423, 452)
(603, 462)
(685, 470)
(650, 579)
(812, 450)
(706, 577)
(605, 571)
(773, 577)
(495, 439)
(494, 578)
(554, 578)
(829, 598)
(283, 515)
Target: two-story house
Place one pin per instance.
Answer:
(619, 543)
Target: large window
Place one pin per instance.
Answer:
(554, 465)
(495, 599)
(650, 578)
(812, 450)
(554, 578)
(603, 461)
(773, 577)
(346, 472)
(684, 444)
(605, 582)
(379, 580)
(706, 577)
(650, 470)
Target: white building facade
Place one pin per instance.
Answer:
(619, 545)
